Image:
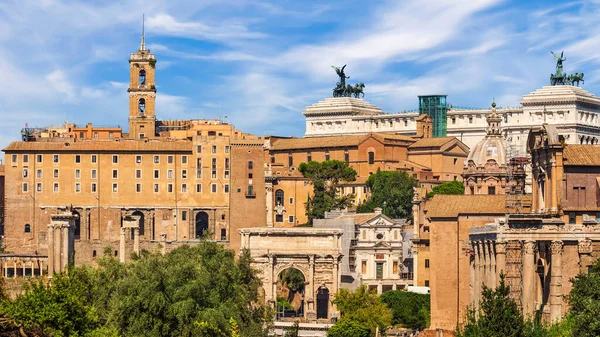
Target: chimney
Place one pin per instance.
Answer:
(377, 210)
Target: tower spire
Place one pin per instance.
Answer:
(143, 45)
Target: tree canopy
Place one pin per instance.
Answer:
(584, 300)
(391, 191)
(449, 187)
(363, 308)
(326, 177)
(191, 291)
(411, 310)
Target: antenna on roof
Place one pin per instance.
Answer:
(143, 45)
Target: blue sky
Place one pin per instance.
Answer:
(262, 62)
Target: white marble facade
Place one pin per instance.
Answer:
(574, 111)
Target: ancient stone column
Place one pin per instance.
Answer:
(311, 313)
(484, 264)
(270, 290)
(41, 263)
(65, 247)
(269, 188)
(529, 248)
(554, 187)
(500, 260)
(472, 278)
(50, 236)
(556, 248)
(136, 240)
(585, 255)
(415, 251)
(122, 245)
(492, 255)
(478, 280)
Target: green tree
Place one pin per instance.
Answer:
(449, 187)
(392, 191)
(584, 300)
(498, 316)
(411, 310)
(364, 308)
(348, 328)
(293, 278)
(326, 177)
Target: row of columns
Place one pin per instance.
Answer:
(24, 262)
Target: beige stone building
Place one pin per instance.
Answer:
(167, 182)
(540, 251)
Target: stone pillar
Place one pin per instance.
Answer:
(50, 250)
(122, 245)
(529, 248)
(554, 187)
(41, 264)
(136, 240)
(585, 255)
(311, 313)
(415, 250)
(485, 280)
(65, 247)
(472, 278)
(492, 265)
(478, 279)
(15, 268)
(57, 250)
(500, 260)
(379, 289)
(271, 291)
(23, 266)
(556, 248)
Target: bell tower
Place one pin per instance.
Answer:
(142, 93)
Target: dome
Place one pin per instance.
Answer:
(490, 152)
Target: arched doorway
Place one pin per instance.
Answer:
(201, 224)
(290, 293)
(77, 231)
(140, 216)
(322, 302)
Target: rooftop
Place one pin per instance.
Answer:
(582, 155)
(451, 206)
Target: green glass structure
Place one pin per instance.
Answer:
(436, 107)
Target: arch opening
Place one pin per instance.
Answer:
(142, 107)
(322, 302)
(140, 216)
(201, 225)
(290, 293)
(77, 231)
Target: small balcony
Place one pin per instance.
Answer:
(250, 194)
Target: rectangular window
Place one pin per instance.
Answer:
(198, 188)
(346, 156)
(199, 148)
(214, 163)
(138, 159)
(15, 158)
(309, 156)
(227, 163)
(77, 174)
(55, 188)
(183, 188)
(77, 159)
(291, 219)
(94, 187)
(214, 174)
(213, 188)
(183, 174)
(81, 134)
(25, 173)
(214, 149)
(77, 187)
(169, 174)
(138, 188)
(94, 159)
(470, 120)
(291, 201)
(223, 234)
(156, 188)
(115, 159)
(184, 159)
(25, 187)
(38, 187)
(363, 267)
(115, 187)
(273, 159)
(55, 173)
(491, 189)
(290, 160)
(226, 148)
(379, 270)
(156, 159)
(278, 217)
(93, 174)
(170, 188)
(115, 174)
(327, 155)
(55, 158)
(184, 215)
(572, 218)
(250, 192)
(156, 174)
(38, 173)
(371, 158)
(427, 283)
(426, 263)
(111, 135)
(138, 174)
(25, 158)
(170, 160)
(226, 188)
(39, 158)
(226, 174)
(395, 267)
(250, 165)
(95, 134)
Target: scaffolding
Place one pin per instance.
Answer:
(514, 264)
(515, 181)
(435, 106)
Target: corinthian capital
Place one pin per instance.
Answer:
(529, 247)
(585, 247)
(500, 247)
(556, 247)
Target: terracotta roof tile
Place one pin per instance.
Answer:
(431, 142)
(102, 145)
(450, 206)
(334, 141)
(359, 218)
(582, 155)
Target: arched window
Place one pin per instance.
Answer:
(142, 107)
(142, 77)
(27, 228)
(279, 197)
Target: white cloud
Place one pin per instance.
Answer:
(57, 79)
